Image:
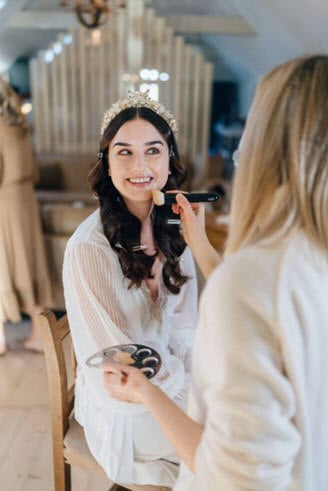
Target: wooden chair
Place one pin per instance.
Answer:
(68, 440)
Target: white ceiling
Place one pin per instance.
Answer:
(284, 29)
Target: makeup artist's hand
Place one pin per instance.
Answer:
(192, 217)
(193, 228)
(129, 384)
(125, 383)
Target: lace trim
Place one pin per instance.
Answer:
(157, 306)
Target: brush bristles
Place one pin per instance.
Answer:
(158, 197)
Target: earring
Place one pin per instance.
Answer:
(139, 247)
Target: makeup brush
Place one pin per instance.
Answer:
(169, 198)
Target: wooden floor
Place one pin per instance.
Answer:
(25, 435)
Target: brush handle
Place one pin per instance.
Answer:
(192, 197)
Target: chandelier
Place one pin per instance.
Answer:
(92, 13)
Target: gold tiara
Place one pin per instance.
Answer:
(138, 99)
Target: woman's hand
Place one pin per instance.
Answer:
(192, 217)
(125, 383)
(129, 384)
(193, 228)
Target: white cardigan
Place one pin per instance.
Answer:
(102, 311)
(260, 383)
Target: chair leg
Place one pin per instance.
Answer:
(68, 477)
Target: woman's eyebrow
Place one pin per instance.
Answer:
(121, 144)
(154, 142)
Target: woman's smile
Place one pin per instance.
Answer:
(140, 181)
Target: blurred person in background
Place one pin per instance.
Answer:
(24, 281)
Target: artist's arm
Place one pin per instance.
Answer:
(129, 384)
(193, 229)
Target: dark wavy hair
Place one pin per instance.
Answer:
(121, 227)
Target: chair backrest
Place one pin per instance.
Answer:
(54, 333)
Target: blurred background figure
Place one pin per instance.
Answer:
(24, 280)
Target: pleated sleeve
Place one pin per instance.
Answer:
(92, 286)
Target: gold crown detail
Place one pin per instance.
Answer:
(138, 99)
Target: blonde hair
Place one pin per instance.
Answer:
(10, 106)
(281, 181)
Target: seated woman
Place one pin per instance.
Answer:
(128, 277)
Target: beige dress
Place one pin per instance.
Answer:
(24, 280)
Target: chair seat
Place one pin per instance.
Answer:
(76, 450)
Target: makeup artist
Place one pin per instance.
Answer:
(258, 407)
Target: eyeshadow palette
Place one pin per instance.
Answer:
(136, 355)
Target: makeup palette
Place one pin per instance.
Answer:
(136, 355)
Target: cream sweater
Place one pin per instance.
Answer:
(260, 383)
(102, 311)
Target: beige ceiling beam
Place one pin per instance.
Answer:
(9, 11)
(43, 19)
(221, 24)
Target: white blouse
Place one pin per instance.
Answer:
(260, 382)
(124, 438)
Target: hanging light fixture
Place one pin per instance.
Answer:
(92, 13)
